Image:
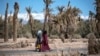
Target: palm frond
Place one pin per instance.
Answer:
(28, 9)
(16, 6)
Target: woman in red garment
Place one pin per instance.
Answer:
(44, 45)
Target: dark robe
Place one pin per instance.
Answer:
(44, 45)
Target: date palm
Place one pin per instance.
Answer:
(71, 14)
(49, 25)
(15, 19)
(6, 25)
(98, 16)
(31, 21)
(60, 9)
(67, 19)
(47, 4)
(60, 18)
(92, 22)
(60, 14)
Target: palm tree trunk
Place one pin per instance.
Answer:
(31, 25)
(15, 27)
(49, 25)
(98, 16)
(16, 8)
(31, 21)
(45, 20)
(6, 25)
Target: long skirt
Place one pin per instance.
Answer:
(44, 46)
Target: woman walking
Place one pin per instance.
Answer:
(44, 44)
(39, 40)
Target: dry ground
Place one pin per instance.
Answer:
(69, 47)
(53, 43)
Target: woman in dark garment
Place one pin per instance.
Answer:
(44, 45)
(39, 40)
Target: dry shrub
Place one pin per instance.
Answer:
(93, 44)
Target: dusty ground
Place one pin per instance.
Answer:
(69, 47)
(53, 43)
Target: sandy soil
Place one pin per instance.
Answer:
(69, 46)
(53, 43)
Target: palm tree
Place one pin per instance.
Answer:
(50, 21)
(6, 24)
(10, 28)
(68, 18)
(60, 20)
(31, 21)
(47, 4)
(60, 9)
(72, 13)
(92, 22)
(20, 28)
(1, 26)
(53, 24)
(16, 9)
(98, 15)
(60, 15)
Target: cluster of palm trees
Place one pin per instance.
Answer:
(16, 9)
(15, 23)
(65, 22)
